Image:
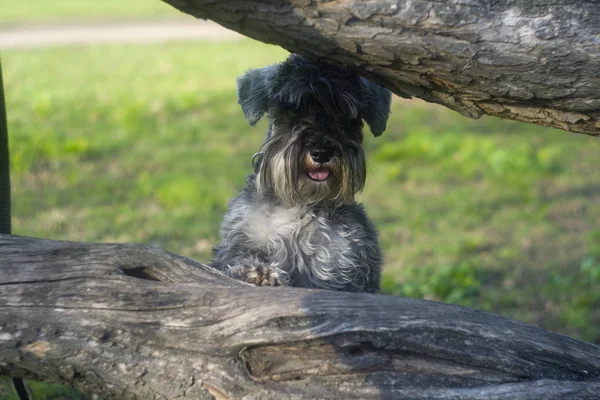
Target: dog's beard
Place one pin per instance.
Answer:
(285, 173)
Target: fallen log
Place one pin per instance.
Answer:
(127, 321)
(530, 61)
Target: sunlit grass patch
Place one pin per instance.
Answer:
(15, 11)
(146, 144)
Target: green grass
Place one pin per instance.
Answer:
(39, 391)
(15, 11)
(156, 127)
(146, 144)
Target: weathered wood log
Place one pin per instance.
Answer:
(531, 61)
(127, 321)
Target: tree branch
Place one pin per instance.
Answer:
(124, 320)
(532, 61)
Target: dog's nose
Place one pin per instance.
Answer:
(322, 154)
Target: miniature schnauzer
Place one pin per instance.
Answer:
(296, 222)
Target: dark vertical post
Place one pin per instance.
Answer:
(5, 225)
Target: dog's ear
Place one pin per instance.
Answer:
(377, 106)
(253, 93)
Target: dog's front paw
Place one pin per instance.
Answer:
(259, 275)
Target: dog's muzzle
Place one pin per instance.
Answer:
(319, 156)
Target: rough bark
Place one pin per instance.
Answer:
(535, 61)
(127, 321)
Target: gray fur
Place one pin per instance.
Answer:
(310, 246)
(286, 227)
(252, 93)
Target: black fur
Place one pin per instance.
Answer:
(323, 89)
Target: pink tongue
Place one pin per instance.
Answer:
(319, 175)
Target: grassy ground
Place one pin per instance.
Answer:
(146, 144)
(40, 391)
(15, 11)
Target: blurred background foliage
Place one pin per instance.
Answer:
(146, 144)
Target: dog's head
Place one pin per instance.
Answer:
(313, 149)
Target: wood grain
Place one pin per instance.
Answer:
(126, 321)
(532, 61)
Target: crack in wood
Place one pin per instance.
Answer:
(291, 361)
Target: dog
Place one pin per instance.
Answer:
(297, 223)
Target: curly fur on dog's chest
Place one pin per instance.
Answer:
(315, 246)
(309, 244)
